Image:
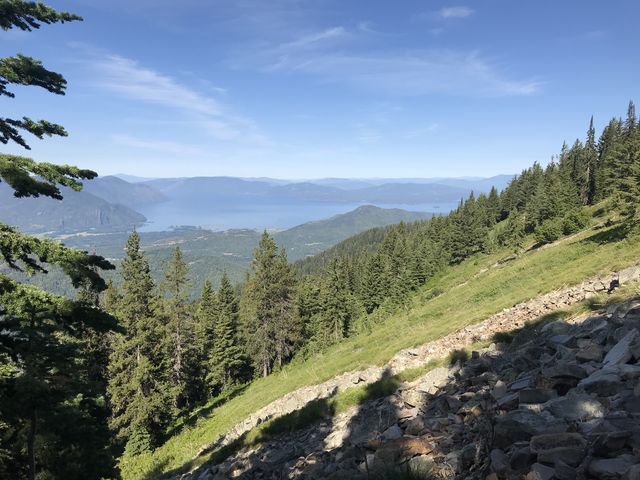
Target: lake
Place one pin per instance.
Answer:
(222, 214)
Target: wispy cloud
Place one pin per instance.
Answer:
(129, 79)
(170, 148)
(455, 12)
(421, 131)
(315, 39)
(403, 73)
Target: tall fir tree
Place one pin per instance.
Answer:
(226, 357)
(138, 388)
(271, 325)
(181, 353)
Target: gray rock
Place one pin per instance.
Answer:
(521, 458)
(590, 353)
(421, 465)
(565, 472)
(499, 390)
(622, 352)
(536, 395)
(603, 382)
(391, 433)
(499, 462)
(575, 407)
(608, 468)
(509, 401)
(521, 383)
(565, 370)
(540, 472)
(633, 473)
(567, 448)
(461, 460)
(522, 425)
(414, 426)
(557, 327)
(563, 339)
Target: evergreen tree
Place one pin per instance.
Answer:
(138, 390)
(180, 348)
(226, 358)
(206, 316)
(271, 325)
(50, 426)
(591, 154)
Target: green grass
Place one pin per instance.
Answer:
(471, 292)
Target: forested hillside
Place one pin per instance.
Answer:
(226, 337)
(348, 293)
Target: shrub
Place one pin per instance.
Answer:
(574, 221)
(549, 231)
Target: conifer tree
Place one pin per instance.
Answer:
(180, 348)
(42, 336)
(591, 154)
(206, 315)
(272, 327)
(138, 388)
(226, 357)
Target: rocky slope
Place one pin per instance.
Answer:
(562, 400)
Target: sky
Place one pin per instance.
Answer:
(326, 88)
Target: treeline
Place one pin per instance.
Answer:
(176, 354)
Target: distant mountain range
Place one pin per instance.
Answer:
(113, 204)
(376, 191)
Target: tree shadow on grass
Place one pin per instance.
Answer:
(304, 442)
(204, 411)
(610, 235)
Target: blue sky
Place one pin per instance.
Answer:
(343, 88)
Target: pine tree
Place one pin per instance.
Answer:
(138, 389)
(226, 358)
(206, 316)
(591, 154)
(179, 339)
(271, 325)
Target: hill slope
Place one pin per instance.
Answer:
(79, 211)
(117, 190)
(457, 297)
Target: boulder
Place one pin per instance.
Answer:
(622, 351)
(592, 352)
(603, 382)
(499, 390)
(567, 448)
(415, 426)
(565, 370)
(540, 472)
(536, 395)
(575, 407)
(500, 463)
(522, 425)
(633, 473)
(609, 468)
(395, 450)
(392, 433)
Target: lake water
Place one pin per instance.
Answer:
(223, 215)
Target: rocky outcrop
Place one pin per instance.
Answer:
(504, 321)
(533, 409)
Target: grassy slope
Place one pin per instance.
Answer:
(471, 294)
